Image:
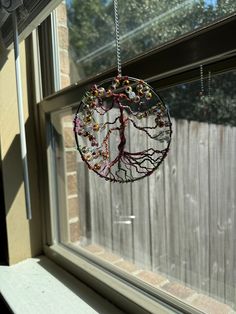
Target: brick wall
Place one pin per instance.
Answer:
(70, 158)
(204, 303)
(68, 136)
(63, 42)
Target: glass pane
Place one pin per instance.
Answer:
(174, 230)
(86, 30)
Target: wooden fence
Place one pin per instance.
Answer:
(181, 221)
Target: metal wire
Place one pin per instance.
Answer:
(94, 134)
(117, 32)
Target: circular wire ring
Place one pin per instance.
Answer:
(122, 129)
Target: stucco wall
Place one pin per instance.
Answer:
(24, 238)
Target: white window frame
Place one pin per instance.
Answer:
(130, 296)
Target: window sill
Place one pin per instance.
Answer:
(128, 298)
(38, 285)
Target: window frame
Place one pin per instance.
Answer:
(214, 47)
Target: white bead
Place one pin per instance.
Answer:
(132, 95)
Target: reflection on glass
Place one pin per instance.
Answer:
(175, 231)
(217, 104)
(144, 24)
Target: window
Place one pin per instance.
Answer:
(144, 25)
(170, 236)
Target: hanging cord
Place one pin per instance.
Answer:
(117, 37)
(21, 117)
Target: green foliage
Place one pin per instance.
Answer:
(144, 25)
(184, 101)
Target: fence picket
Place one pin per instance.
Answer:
(185, 218)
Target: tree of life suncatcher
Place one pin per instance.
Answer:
(108, 119)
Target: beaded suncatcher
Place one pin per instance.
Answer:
(122, 127)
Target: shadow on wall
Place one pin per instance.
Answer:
(3, 237)
(11, 178)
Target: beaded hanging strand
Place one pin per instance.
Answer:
(201, 82)
(202, 91)
(117, 35)
(209, 84)
(113, 113)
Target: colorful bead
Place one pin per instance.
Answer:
(116, 82)
(96, 127)
(128, 89)
(94, 143)
(88, 157)
(88, 119)
(146, 88)
(161, 123)
(132, 95)
(95, 93)
(84, 149)
(109, 93)
(139, 116)
(105, 155)
(137, 99)
(97, 167)
(148, 95)
(126, 82)
(86, 106)
(140, 93)
(145, 114)
(139, 87)
(101, 91)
